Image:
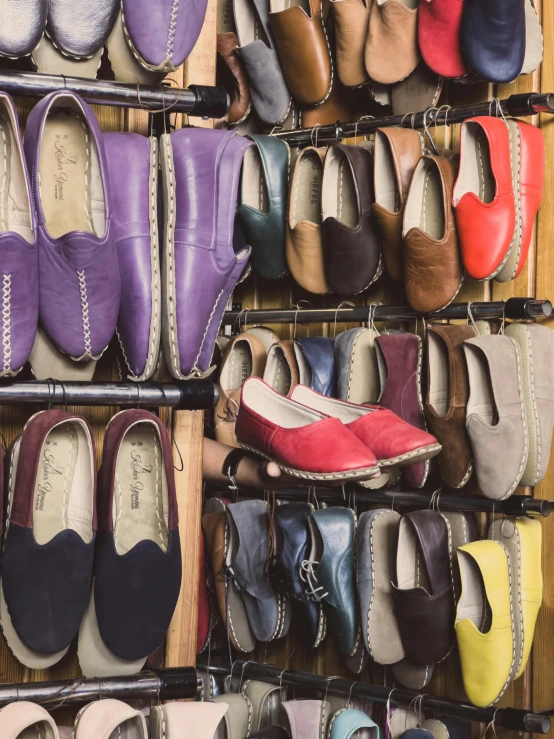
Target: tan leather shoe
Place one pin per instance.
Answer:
(23, 719)
(396, 154)
(391, 51)
(303, 48)
(245, 356)
(433, 270)
(304, 246)
(106, 718)
(281, 369)
(351, 18)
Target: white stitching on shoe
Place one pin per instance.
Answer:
(84, 313)
(525, 438)
(369, 650)
(158, 485)
(4, 180)
(537, 423)
(6, 321)
(511, 673)
(172, 28)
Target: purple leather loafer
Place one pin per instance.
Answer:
(200, 175)
(18, 248)
(162, 33)
(79, 283)
(133, 173)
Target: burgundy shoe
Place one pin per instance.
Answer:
(79, 283)
(303, 442)
(133, 173)
(392, 440)
(399, 358)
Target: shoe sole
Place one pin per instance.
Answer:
(507, 269)
(419, 455)
(365, 474)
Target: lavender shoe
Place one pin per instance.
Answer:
(133, 174)
(79, 283)
(162, 33)
(200, 175)
(18, 248)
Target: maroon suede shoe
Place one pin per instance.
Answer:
(399, 358)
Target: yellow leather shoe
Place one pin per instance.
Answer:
(484, 623)
(522, 538)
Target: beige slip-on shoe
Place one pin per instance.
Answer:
(175, 720)
(351, 18)
(392, 51)
(281, 369)
(106, 718)
(25, 720)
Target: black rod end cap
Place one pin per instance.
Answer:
(211, 102)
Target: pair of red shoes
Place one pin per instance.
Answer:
(314, 437)
(497, 195)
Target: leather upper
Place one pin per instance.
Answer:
(348, 722)
(16, 717)
(201, 719)
(450, 427)
(201, 168)
(351, 19)
(433, 270)
(237, 86)
(493, 38)
(319, 352)
(81, 29)
(439, 37)
(398, 150)
(335, 573)
(485, 230)
(391, 51)
(131, 159)
(104, 718)
(23, 24)
(264, 229)
(426, 617)
(79, 280)
(162, 34)
(307, 718)
(353, 254)
(304, 52)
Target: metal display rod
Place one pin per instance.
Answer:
(169, 684)
(193, 395)
(513, 719)
(514, 308)
(516, 505)
(196, 100)
(516, 105)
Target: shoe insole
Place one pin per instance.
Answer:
(277, 371)
(386, 186)
(248, 25)
(64, 488)
(141, 495)
(304, 369)
(475, 171)
(253, 187)
(40, 730)
(410, 566)
(130, 729)
(439, 381)
(65, 174)
(225, 20)
(424, 207)
(481, 396)
(473, 602)
(306, 199)
(238, 367)
(15, 211)
(339, 193)
(278, 5)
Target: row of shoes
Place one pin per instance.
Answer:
(80, 239)
(157, 48)
(104, 566)
(479, 389)
(348, 208)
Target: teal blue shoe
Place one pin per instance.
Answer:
(350, 722)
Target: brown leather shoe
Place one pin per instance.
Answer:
(433, 270)
(281, 369)
(232, 76)
(351, 247)
(303, 48)
(392, 51)
(446, 401)
(396, 154)
(351, 18)
(244, 357)
(304, 246)
(343, 104)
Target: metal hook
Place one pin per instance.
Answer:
(371, 317)
(491, 724)
(299, 308)
(404, 118)
(503, 324)
(278, 127)
(244, 664)
(362, 118)
(350, 693)
(470, 319)
(426, 128)
(339, 306)
(338, 132)
(329, 679)
(316, 129)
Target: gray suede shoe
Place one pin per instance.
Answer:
(268, 89)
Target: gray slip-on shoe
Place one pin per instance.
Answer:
(78, 29)
(22, 26)
(358, 375)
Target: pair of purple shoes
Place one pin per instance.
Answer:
(89, 214)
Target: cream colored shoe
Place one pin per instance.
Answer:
(176, 720)
(24, 720)
(109, 718)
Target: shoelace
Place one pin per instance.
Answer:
(307, 575)
(231, 410)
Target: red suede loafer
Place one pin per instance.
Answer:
(392, 440)
(438, 30)
(302, 441)
(483, 199)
